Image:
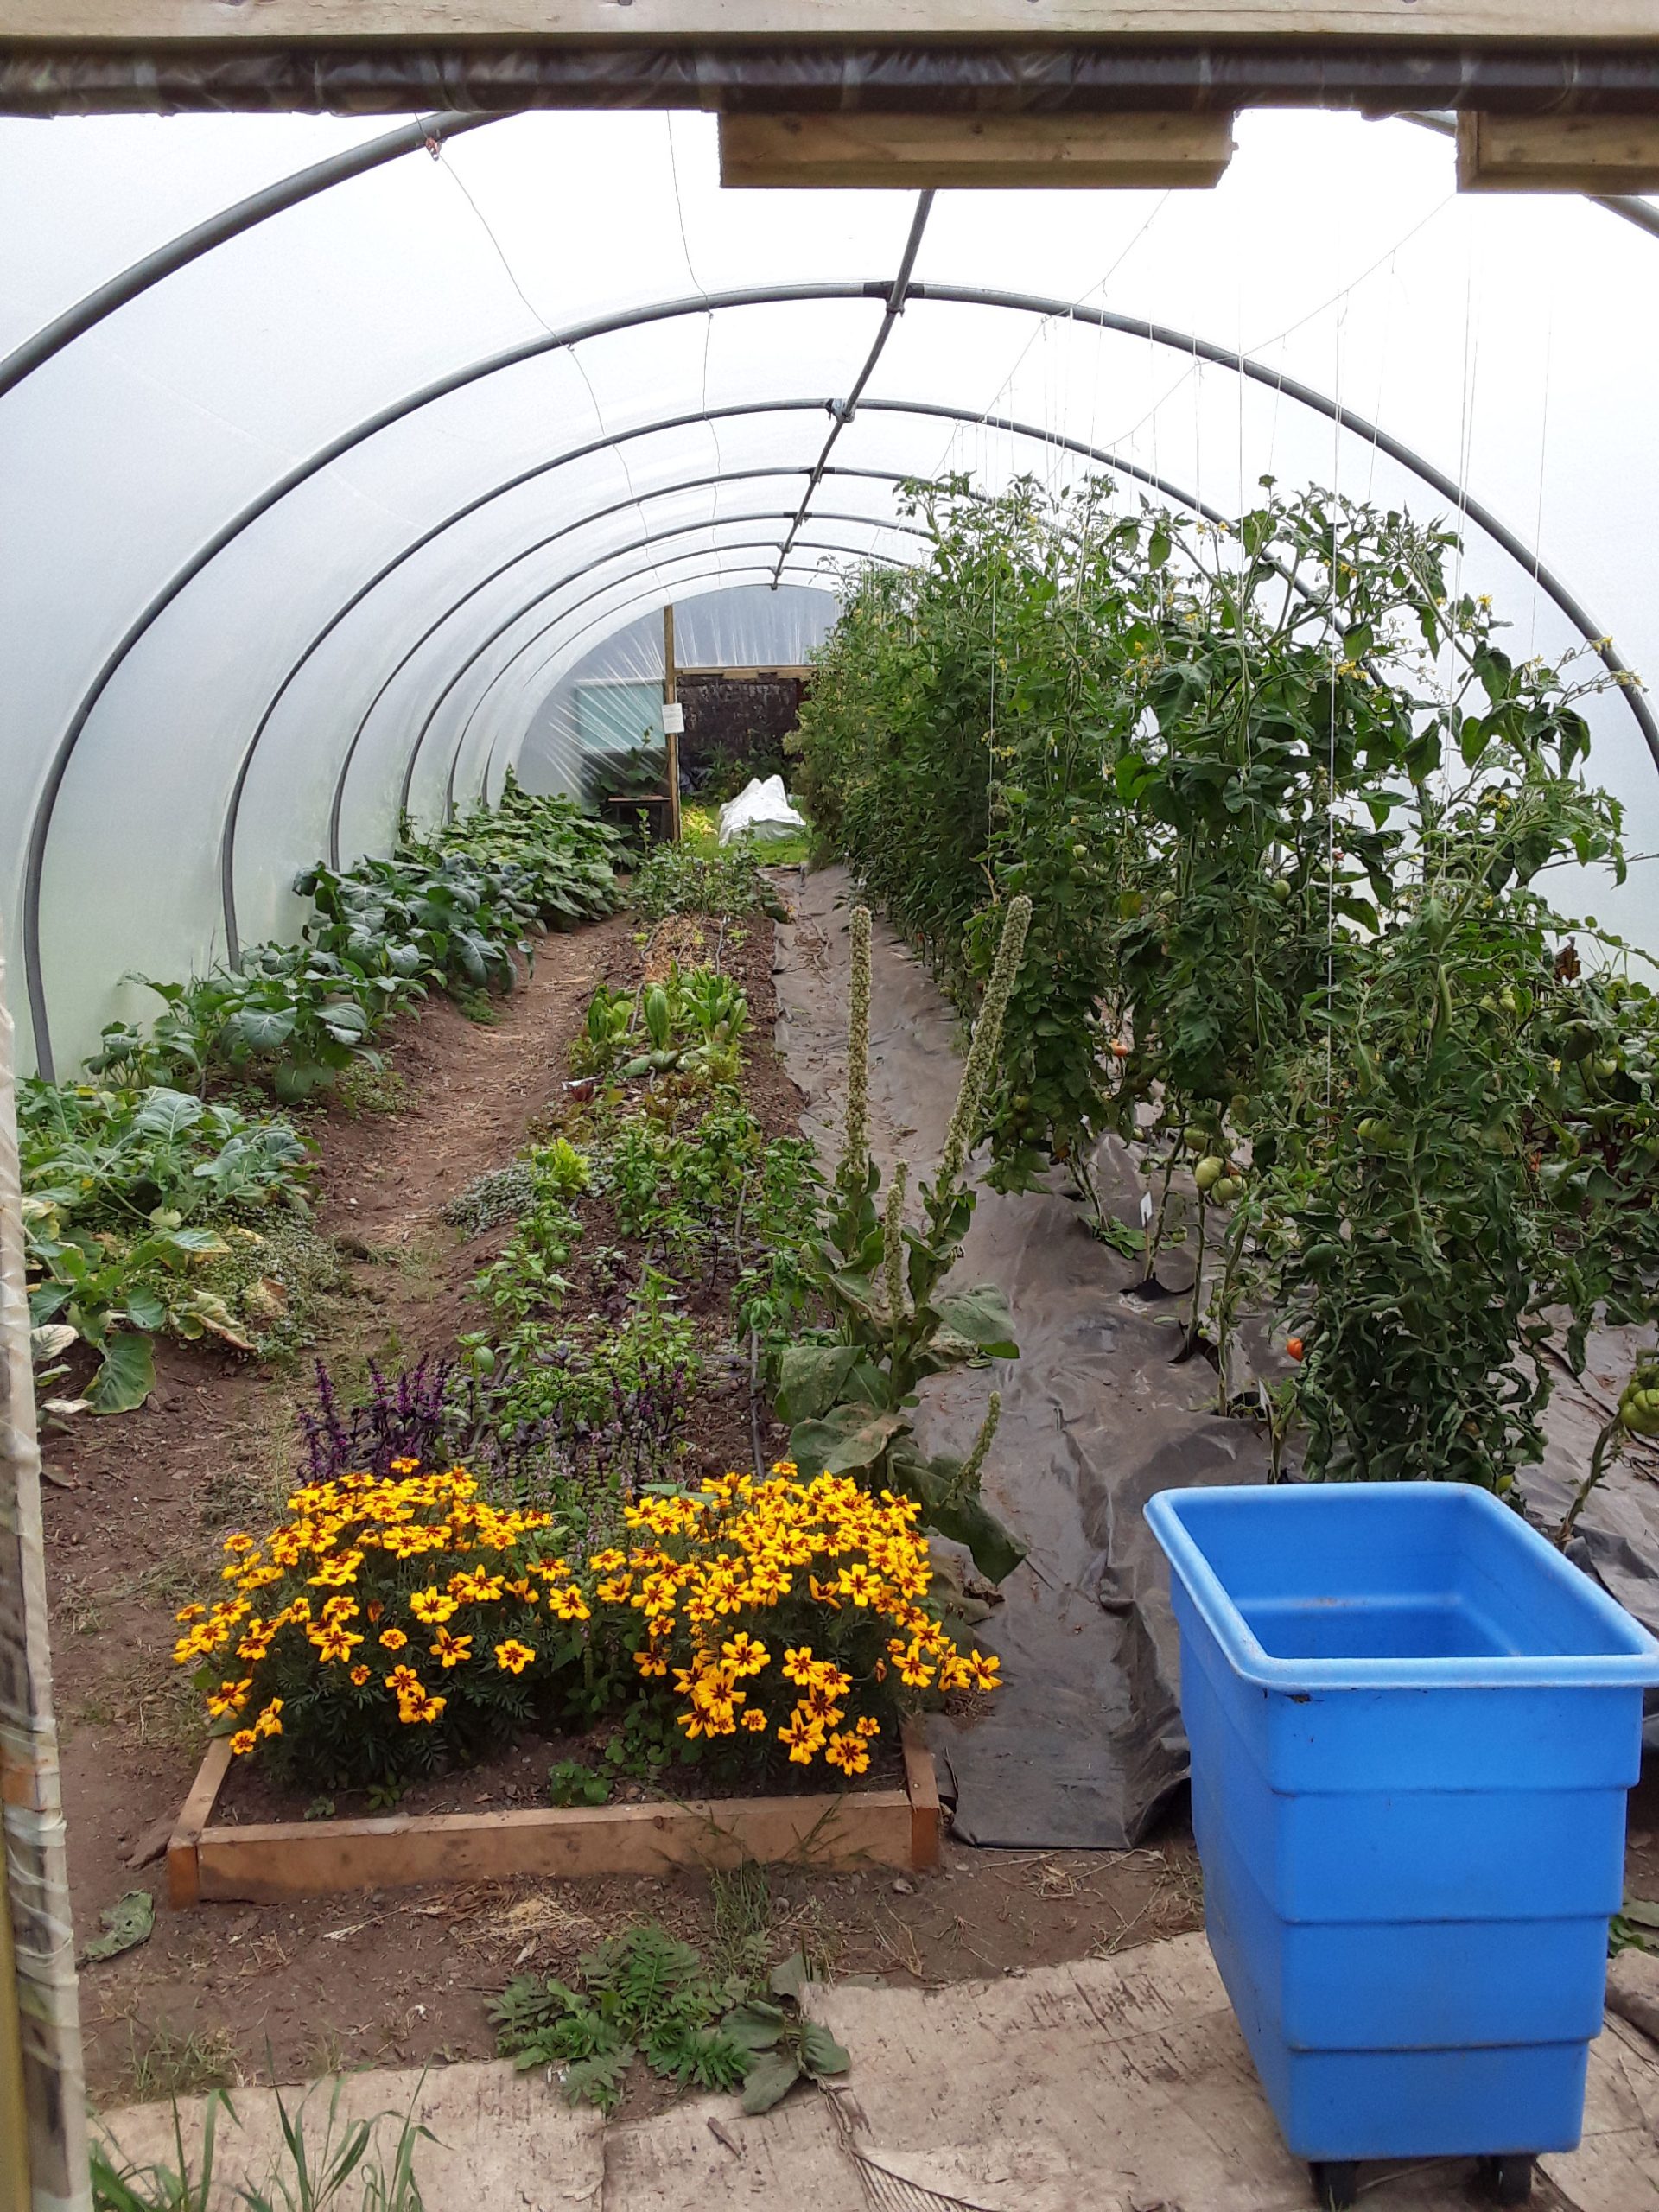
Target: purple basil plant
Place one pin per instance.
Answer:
(404, 1416)
(624, 1437)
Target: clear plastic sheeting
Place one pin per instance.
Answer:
(310, 532)
(613, 696)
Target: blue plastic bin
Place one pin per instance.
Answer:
(1413, 1725)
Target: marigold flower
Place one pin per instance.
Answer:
(229, 1697)
(513, 1657)
(849, 1752)
(451, 1650)
(359, 1676)
(242, 1742)
(803, 1737)
(393, 1639)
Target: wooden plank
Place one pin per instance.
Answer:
(922, 1783)
(14, 2111)
(1133, 152)
(183, 1873)
(796, 674)
(623, 22)
(1558, 153)
(261, 1865)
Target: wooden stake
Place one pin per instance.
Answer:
(14, 2129)
(670, 698)
(37, 1980)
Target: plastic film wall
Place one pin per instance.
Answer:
(610, 693)
(314, 529)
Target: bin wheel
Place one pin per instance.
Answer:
(1509, 2178)
(1335, 2184)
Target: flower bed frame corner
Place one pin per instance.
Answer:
(271, 1862)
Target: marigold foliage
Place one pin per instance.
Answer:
(793, 1611)
(390, 1623)
(385, 1622)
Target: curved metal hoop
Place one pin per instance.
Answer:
(1185, 343)
(617, 553)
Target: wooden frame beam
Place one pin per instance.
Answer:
(1558, 153)
(427, 22)
(1152, 152)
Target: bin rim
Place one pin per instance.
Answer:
(1635, 1665)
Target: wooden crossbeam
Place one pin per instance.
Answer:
(1558, 153)
(1144, 152)
(171, 22)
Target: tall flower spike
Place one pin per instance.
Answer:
(972, 1466)
(892, 1245)
(855, 1153)
(988, 1037)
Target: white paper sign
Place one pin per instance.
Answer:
(673, 719)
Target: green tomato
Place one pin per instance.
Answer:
(1227, 1189)
(1606, 1069)
(1209, 1171)
(1280, 887)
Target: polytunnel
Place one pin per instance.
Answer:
(372, 480)
(312, 509)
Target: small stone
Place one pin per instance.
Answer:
(904, 1889)
(1015, 1974)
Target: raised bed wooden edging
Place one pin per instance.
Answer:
(265, 1862)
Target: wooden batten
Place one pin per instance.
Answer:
(1128, 152)
(926, 22)
(1558, 153)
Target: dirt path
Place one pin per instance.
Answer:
(1084, 1741)
(222, 1993)
(214, 1446)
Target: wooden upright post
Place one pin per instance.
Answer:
(40, 2040)
(14, 2123)
(670, 698)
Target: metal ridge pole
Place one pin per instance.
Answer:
(842, 410)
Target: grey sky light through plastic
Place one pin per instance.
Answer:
(401, 392)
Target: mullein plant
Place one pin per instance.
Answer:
(851, 1396)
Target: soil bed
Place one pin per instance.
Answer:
(518, 1778)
